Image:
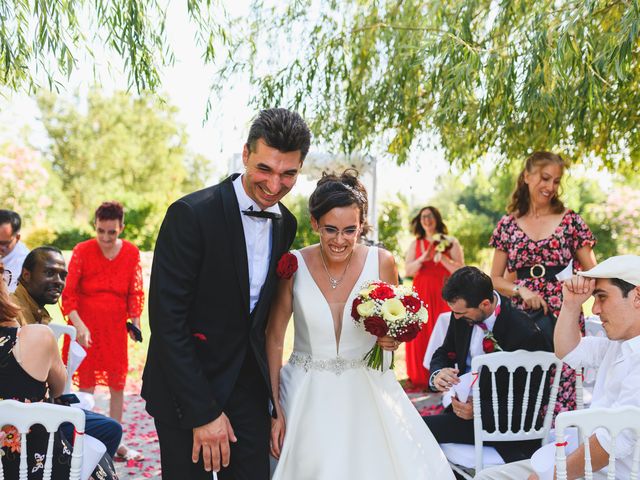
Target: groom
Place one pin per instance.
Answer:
(206, 380)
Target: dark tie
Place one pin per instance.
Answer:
(261, 214)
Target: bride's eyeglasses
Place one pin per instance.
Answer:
(332, 232)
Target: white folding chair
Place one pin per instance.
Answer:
(586, 377)
(615, 420)
(511, 361)
(23, 415)
(70, 331)
(520, 359)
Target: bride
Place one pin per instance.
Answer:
(336, 418)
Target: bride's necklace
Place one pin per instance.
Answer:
(334, 282)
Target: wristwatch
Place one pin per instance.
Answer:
(516, 290)
(432, 379)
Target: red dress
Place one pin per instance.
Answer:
(428, 282)
(106, 293)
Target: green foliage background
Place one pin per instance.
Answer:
(123, 147)
(470, 76)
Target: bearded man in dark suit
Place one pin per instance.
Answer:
(206, 380)
(476, 308)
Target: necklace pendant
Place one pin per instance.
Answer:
(334, 283)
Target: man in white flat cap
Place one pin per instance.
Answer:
(615, 286)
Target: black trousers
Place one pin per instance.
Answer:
(247, 409)
(447, 427)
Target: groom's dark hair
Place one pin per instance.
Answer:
(469, 284)
(281, 129)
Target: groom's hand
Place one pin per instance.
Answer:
(213, 438)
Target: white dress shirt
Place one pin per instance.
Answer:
(257, 237)
(477, 334)
(617, 384)
(13, 263)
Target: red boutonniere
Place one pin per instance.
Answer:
(200, 336)
(451, 356)
(489, 342)
(287, 265)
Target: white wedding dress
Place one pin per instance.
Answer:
(345, 421)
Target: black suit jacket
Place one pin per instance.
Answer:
(199, 315)
(513, 330)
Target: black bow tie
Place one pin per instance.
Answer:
(261, 214)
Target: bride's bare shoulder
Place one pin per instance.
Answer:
(309, 252)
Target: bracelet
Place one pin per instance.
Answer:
(516, 290)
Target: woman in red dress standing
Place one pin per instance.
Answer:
(431, 258)
(104, 289)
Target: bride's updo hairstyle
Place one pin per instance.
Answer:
(334, 191)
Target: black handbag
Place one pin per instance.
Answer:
(545, 322)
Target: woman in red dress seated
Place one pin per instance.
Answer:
(104, 289)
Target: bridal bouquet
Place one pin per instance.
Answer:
(383, 309)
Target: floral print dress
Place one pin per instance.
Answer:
(571, 234)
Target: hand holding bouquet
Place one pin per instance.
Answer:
(383, 309)
(441, 244)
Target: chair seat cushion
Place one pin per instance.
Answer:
(465, 455)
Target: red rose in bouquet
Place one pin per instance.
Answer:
(383, 309)
(410, 332)
(354, 309)
(413, 304)
(382, 292)
(287, 265)
(376, 326)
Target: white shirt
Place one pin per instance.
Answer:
(13, 263)
(257, 237)
(617, 384)
(477, 334)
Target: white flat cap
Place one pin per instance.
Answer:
(624, 267)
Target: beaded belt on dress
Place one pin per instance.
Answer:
(335, 365)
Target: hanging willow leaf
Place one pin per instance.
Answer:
(470, 76)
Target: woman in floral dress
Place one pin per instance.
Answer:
(537, 239)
